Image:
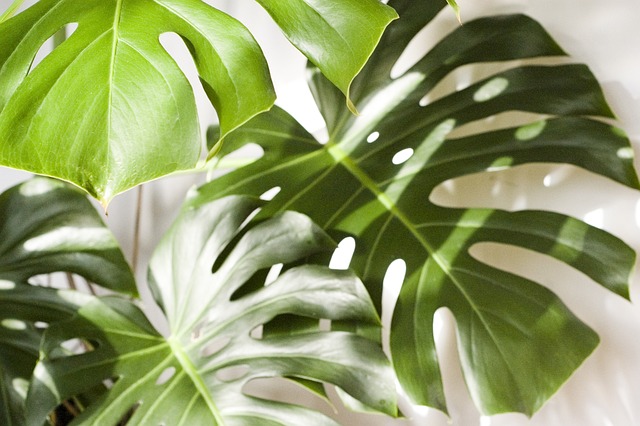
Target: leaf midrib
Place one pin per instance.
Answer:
(345, 160)
(112, 68)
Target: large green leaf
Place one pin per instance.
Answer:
(331, 42)
(45, 226)
(109, 108)
(196, 376)
(351, 186)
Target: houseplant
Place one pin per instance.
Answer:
(502, 318)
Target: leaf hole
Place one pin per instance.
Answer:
(75, 346)
(165, 376)
(110, 383)
(41, 325)
(182, 53)
(48, 46)
(373, 137)
(402, 156)
(124, 420)
(391, 285)
(273, 274)
(271, 193)
(257, 332)
(20, 386)
(215, 346)
(233, 373)
(342, 256)
(308, 393)
(324, 325)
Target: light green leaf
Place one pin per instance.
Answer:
(197, 375)
(352, 186)
(45, 226)
(337, 36)
(109, 108)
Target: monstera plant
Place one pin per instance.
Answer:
(242, 283)
(373, 179)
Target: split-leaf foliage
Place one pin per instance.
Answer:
(518, 341)
(103, 356)
(109, 109)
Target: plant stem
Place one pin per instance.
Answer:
(136, 231)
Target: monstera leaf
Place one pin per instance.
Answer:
(45, 226)
(355, 184)
(109, 108)
(208, 276)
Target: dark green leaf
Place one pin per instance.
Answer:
(45, 226)
(213, 352)
(352, 186)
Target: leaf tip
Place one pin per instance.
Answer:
(352, 107)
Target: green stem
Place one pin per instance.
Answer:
(193, 373)
(11, 10)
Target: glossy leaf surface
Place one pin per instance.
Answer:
(109, 108)
(45, 227)
(355, 185)
(199, 275)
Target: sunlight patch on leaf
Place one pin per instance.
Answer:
(7, 285)
(500, 163)
(491, 89)
(21, 386)
(70, 238)
(13, 324)
(530, 131)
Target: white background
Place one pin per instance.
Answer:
(606, 36)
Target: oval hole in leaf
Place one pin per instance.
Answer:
(215, 346)
(373, 137)
(402, 156)
(341, 257)
(235, 372)
(165, 376)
